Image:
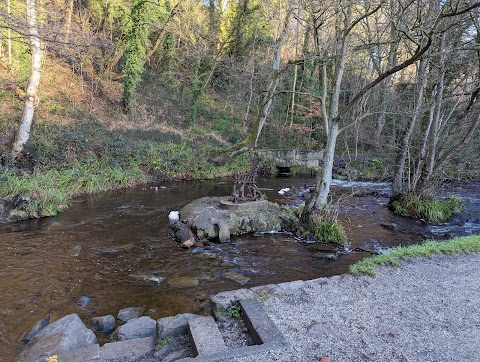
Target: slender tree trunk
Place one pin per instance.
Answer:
(292, 108)
(398, 185)
(324, 179)
(9, 37)
(31, 98)
(272, 86)
(321, 200)
(68, 20)
(252, 76)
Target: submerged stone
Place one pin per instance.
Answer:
(183, 282)
(237, 277)
(126, 314)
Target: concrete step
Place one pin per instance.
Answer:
(261, 327)
(205, 336)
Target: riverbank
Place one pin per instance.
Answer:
(425, 310)
(62, 162)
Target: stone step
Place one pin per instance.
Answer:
(261, 327)
(205, 336)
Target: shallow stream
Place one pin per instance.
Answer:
(115, 247)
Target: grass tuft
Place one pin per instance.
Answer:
(426, 208)
(466, 244)
(326, 228)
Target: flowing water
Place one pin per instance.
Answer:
(114, 247)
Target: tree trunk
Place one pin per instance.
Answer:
(272, 86)
(398, 185)
(321, 201)
(9, 37)
(68, 20)
(292, 109)
(31, 99)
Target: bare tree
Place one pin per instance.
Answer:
(31, 99)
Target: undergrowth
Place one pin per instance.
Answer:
(61, 162)
(326, 227)
(466, 244)
(428, 209)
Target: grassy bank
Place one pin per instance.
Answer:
(64, 161)
(466, 244)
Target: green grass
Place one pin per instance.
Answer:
(466, 244)
(426, 208)
(62, 162)
(326, 228)
(47, 192)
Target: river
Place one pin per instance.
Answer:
(112, 248)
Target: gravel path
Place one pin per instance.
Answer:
(426, 310)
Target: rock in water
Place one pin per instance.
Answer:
(136, 328)
(103, 324)
(84, 301)
(77, 250)
(65, 334)
(184, 235)
(174, 216)
(126, 314)
(37, 328)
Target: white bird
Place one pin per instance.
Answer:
(284, 190)
(174, 216)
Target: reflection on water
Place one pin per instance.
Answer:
(117, 248)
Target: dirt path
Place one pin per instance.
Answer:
(426, 310)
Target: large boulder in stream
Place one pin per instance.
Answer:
(65, 334)
(217, 218)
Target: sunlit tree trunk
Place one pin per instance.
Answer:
(68, 20)
(9, 37)
(31, 99)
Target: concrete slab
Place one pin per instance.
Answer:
(289, 287)
(261, 327)
(84, 354)
(244, 206)
(226, 299)
(235, 353)
(129, 350)
(205, 336)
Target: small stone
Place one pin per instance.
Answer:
(237, 277)
(389, 225)
(183, 282)
(84, 301)
(77, 250)
(323, 255)
(150, 279)
(126, 314)
(103, 324)
(326, 248)
(224, 233)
